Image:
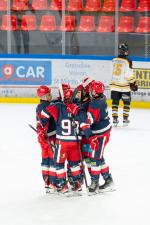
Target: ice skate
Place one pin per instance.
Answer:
(126, 122)
(63, 190)
(76, 189)
(108, 186)
(115, 122)
(93, 188)
(51, 189)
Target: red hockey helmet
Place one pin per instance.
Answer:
(43, 90)
(65, 86)
(97, 88)
(68, 94)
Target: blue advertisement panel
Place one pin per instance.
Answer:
(25, 72)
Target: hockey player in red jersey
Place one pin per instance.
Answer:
(63, 87)
(93, 148)
(86, 148)
(98, 118)
(46, 131)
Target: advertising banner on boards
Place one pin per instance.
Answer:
(26, 72)
(20, 77)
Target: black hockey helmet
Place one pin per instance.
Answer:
(123, 49)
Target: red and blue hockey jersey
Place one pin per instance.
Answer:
(98, 116)
(67, 126)
(49, 125)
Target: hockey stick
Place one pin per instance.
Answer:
(33, 128)
(74, 95)
(61, 92)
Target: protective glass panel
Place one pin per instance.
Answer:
(74, 27)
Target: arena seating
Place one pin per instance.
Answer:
(87, 24)
(108, 6)
(128, 5)
(143, 25)
(56, 5)
(68, 23)
(143, 6)
(20, 5)
(75, 5)
(106, 24)
(92, 6)
(48, 23)
(126, 24)
(28, 23)
(75, 15)
(3, 5)
(9, 22)
(39, 4)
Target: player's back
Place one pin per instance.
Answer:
(51, 130)
(66, 126)
(121, 70)
(122, 74)
(99, 111)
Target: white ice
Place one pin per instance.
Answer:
(22, 197)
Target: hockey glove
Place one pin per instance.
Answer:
(42, 140)
(41, 136)
(72, 108)
(94, 143)
(134, 86)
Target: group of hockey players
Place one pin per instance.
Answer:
(74, 129)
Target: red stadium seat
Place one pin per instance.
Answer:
(128, 5)
(93, 5)
(39, 4)
(126, 24)
(144, 5)
(56, 5)
(75, 5)
(28, 23)
(87, 24)
(143, 25)
(108, 6)
(48, 23)
(106, 24)
(68, 23)
(3, 5)
(20, 5)
(9, 22)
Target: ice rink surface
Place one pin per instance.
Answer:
(22, 197)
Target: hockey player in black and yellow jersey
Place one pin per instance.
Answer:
(122, 83)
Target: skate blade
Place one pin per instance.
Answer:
(71, 194)
(112, 189)
(51, 193)
(93, 193)
(125, 124)
(115, 125)
(75, 194)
